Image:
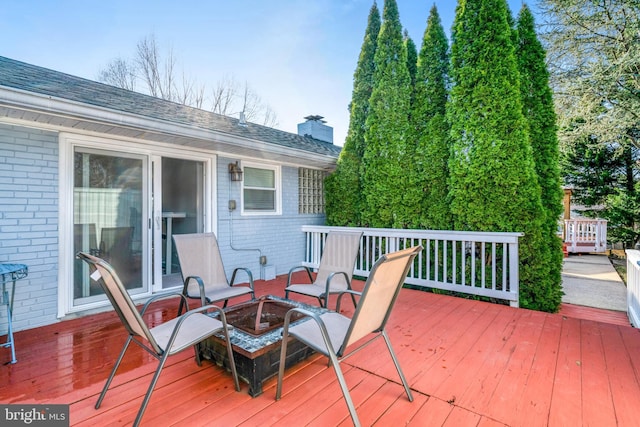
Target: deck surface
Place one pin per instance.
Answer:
(468, 363)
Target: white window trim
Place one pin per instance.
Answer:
(278, 189)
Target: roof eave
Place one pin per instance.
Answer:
(74, 116)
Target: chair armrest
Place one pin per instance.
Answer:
(347, 291)
(246, 270)
(299, 267)
(198, 280)
(198, 310)
(163, 296)
(332, 275)
(316, 318)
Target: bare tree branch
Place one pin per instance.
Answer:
(157, 74)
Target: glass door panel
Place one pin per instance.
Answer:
(108, 206)
(182, 211)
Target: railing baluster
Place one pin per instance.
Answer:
(443, 262)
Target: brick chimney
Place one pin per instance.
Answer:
(315, 128)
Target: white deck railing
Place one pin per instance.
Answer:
(633, 287)
(475, 263)
(585, 235)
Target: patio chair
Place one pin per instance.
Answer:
(160, 341)
(331, 333)
(203, 272)
(336, 268)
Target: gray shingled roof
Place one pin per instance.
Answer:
(31, 78)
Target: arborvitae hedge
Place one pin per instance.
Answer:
(343, 188)
(385, 156)
(538, 109)
(494, 185)
(429, 127)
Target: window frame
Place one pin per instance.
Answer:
(311, 200)
(277, 189)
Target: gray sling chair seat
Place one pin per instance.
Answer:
(331, 333)
(335, 270)
(163, 340)
(203, 272)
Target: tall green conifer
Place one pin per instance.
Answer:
(430, 126)
(539, 111)
(385, 156)
(494, 185)
(343, 188)
(412, 57)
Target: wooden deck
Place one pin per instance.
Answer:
(468, 363)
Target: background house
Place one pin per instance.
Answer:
(87, 166)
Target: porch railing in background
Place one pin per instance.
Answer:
(633, 286)
(585, 235)
(474, 263)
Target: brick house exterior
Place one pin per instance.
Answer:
(59, 133)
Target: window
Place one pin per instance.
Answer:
(260, 189)
(311, 191)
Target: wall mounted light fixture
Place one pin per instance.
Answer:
(235, 172)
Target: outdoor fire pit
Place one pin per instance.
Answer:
(256, 339)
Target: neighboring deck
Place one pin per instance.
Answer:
(469, 363)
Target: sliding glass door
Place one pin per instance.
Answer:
(179, 209)
(109, 218)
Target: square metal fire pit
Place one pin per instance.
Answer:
(256, 342)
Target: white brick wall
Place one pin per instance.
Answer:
(29, 222)
(279, 237)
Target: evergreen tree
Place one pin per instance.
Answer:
(387, 129)
(538, 109)
(412, 58)
(605, 176)
(594, 63)
(494, 186)
(343, 188)
(430, 126)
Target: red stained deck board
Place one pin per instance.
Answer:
(334, 408)
(463, 334)
(512, 384)
(597, 314)
(489, 355)
(532, 408)
(566, 402)
(377, 402)
(433, 412)
(401, 412)
(68, 363)
(460, 417)
(623, 378)
(597, 405)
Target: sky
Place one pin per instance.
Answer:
(299, 56)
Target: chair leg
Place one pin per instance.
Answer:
(395, 362)
(113, 372)
(198, 351)
(232, 363)
(345, 389)
(147, 396)
(283, 359)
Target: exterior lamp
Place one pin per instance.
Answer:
(235, 172)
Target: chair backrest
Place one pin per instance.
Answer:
(199, 255)
(339, 254)
(104, 274)
(379, 294)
